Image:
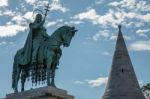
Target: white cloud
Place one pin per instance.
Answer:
(145, 17)
(6, 43)
(53, 23)
(17, 18)
(143, 6)
(56, 5)
(49, 24)
(3, 43)
(140, 46)
(41, 3)
(107, 35)
(20, 25)
(147, 94)
(92, 16)
(114, 37)
(32, 2)
(98, 82)
(142, 32)
(115, 3)
(28, 15)
(127, 37)
(19, 22)
(23, 18)
(3, 3)
(73, 22)
(94, 83)
(106, 53)
(137, 16)
(7, 12)
(11, 30)
(79, 82)
(128, 3)
(134, 24)
(134, 5)
(123, 4)
(130, 15)
(99, 1)
(88, 15)
(101, 35)
(141, 83)
(113, 17)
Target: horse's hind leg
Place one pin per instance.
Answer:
(48, 64)
(48, 70)
(52, 78)
(23, 79)
(17, 78)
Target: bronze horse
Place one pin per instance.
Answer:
(50, 52)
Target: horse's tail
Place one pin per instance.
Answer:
(14, 72)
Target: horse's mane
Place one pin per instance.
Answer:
(62, 28)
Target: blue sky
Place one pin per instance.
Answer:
(84, 66)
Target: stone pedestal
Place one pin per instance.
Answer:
(41, 93)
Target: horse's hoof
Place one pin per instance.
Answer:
(53, 85)
(22, 90)
(16, 91)
(48, 84)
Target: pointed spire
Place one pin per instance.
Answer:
(119, 26)
(122, 82)
(120, 45)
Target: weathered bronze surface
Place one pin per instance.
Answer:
(39, 57)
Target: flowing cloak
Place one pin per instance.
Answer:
(26, 51)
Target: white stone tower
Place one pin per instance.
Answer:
(122, 82)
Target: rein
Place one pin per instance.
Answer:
(52, 39)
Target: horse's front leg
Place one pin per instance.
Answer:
(53, 77)
(54, 67)
(48, 69)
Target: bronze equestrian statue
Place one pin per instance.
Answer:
(39, 57)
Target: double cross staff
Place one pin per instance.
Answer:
(41, 12)
(46, 10)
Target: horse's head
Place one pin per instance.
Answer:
(67, 34)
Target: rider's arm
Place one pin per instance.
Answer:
(37, 25)
(44, 33)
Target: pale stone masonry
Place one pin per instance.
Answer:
(122, 82)
(41, 93)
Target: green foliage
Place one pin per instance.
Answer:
(146, 87)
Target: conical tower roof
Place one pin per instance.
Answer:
(122, 82)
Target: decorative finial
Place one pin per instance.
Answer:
(47, 8)
(119, 26)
